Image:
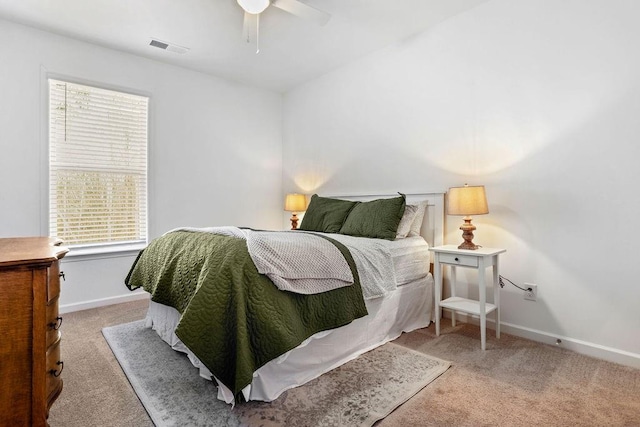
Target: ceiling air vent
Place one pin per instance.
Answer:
(168, 46)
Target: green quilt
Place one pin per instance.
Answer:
(233, 318)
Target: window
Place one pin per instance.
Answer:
(97, 165)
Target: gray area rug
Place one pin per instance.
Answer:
(358, 393)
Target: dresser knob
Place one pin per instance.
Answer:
(56, 373)
(56, 325)
(457, 260)
(62, 275)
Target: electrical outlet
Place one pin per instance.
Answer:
(531, 295)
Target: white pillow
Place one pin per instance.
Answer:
(409, 215)
(416, 224)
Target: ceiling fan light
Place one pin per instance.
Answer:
(253, 6)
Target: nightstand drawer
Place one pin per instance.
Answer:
(464, 260)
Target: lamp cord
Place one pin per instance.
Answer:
(501, 279)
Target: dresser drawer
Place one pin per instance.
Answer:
(54, 369)
(54, 321)
(53, 283)
(463, 260)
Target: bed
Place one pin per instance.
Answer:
(355, 319)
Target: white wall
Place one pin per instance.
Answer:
(215, 153)
(536, 99)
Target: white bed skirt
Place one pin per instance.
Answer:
(407, 308)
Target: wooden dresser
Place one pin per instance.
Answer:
(30, 364)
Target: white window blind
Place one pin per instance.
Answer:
(97, 165)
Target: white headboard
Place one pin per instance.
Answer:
(433, 223)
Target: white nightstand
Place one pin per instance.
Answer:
(479, 259)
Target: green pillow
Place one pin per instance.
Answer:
(326, 215)
(377, 219)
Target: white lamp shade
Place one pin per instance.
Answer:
(253, 6)
(295, 202)
(467, 201)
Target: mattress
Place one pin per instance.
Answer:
(410, 259)
(387, 264)
(404, 309)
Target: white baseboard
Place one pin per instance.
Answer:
(582, 347)
(85, 305)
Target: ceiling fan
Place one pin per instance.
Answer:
(253, 9)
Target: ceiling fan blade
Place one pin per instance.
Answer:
(302, 10)
(249, 26)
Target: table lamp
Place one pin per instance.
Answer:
(467, 201)
(295, 203)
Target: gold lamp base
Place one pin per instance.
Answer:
(294, 221)
(467, 234)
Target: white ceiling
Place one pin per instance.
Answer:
(292, 50)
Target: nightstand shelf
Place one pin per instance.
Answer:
(479, 259)
(466, 305)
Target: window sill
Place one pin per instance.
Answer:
(106, 251)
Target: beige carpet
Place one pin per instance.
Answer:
(514, 382)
